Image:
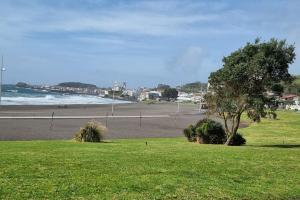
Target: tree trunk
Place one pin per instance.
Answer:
(235, 126)
(227, 143)
(198, 140)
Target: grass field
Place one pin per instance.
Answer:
(267, 168)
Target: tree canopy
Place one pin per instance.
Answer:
(193, 87)
(162, 86)
(77, 85)
(240, 85)
(170, 93)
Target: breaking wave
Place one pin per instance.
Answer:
(58, 100)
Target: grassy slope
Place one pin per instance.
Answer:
(165, 169)
(297, 81)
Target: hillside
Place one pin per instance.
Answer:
(76, 85)
(294, 87)
(22, 85)
(297, 81)
(193, 87)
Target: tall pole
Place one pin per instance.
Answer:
(1, 71)
(112, 104)
(200, 103)
(178, 104)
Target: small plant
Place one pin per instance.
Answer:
(206, 131)
(211, 132)
(238, 140)
(91, 132)
(190, 133)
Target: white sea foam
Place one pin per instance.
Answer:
(58, 100)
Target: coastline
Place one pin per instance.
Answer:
(52, 106)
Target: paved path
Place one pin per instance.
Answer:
(36, 122)
(85, 117)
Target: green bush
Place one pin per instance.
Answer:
(238, 140)
(190, 133)
(206, 131)
(91, 132)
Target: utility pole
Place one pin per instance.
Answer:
(178, 103)
(1, 72)
(201, 95)
(113, 102)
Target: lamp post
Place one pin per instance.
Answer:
(1, 73)
(113, 102)
(201, 96)
(178, 103)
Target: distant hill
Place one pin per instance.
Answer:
(194, 87)
(297, 80)
(294, 87)
(22, 85)
(76, 85)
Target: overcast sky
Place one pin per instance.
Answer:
(141, 42)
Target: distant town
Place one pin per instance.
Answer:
(190, 92)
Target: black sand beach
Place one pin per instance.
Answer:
(40, 129)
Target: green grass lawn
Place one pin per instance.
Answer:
(267, 168)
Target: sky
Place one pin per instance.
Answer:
(140, 42)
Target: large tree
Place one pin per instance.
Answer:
(170, 93)
(240, 85)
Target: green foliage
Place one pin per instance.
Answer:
(277, 88)
(193, 87)
(190, 133)
(170, 93)
(271, 114)
(237, 140)
(211, 132)
(150, 101)
(293, 87)
(77, 85)
(162, 86)
(205, 131)
(91, 132)
(247, 73)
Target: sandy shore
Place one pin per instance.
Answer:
(31, 129)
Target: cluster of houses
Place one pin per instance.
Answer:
(121, 92)
(287, 101)
(290, 102)
(156, 94)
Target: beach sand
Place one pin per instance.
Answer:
(44, 129)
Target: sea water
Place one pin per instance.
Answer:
(12, 95)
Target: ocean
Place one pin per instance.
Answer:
(12, 95)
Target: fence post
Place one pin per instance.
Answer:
(175, 121)
(106, 119)
(140, 119)
(51, 125)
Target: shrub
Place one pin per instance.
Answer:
(211, 132)
(91, 132)
(272, 115)
(238, 140)
(205, 131)
(190, 133)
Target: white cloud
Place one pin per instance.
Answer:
(154, 19)
(189, 61)
(110, 34)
